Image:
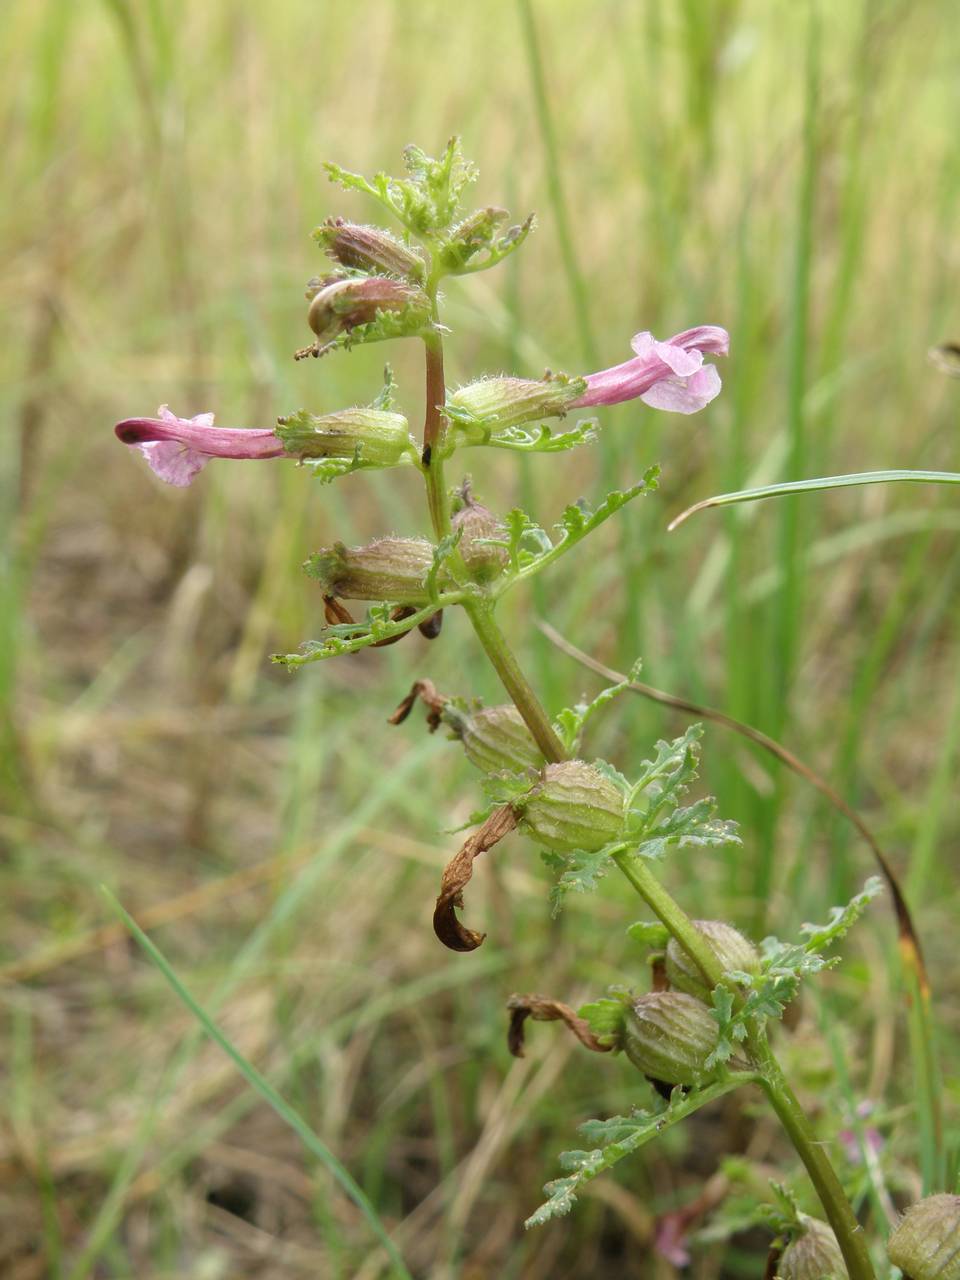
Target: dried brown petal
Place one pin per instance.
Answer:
(456, 875)
(543, 1009)
(434, 701)
(335, 612)
(432, 627)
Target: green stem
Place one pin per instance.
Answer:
(849, 1232)
(501, 657)
(431, 458)
(668, 910)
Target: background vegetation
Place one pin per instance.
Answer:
(735, 162)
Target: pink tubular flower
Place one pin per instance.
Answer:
(177, 448)
(667, 375)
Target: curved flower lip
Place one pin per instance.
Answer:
(667, 375)
(178, 448)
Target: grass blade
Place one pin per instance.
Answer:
(815, 486)
(264, 1088)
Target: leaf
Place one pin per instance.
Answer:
(571, 720)
(606, 1015)
(350, 637)
(783, 966)
(576, 523)
(619, 1137)
(582, 870)
(441, 554)
(649, 933)
(815, 486)
(542, 439)
(655, 820)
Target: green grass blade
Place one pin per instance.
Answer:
(264, 1088)
(815, 486)
(575, 280)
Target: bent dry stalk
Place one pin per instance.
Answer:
(708, 1038)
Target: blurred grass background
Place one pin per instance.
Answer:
(789, 172)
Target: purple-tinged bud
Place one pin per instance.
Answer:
(573, 807)
(494, 739)
(378, 437)
(730, 947)
(669, 1036)
(813, 1255)
(925, 1244)
(342, 305)
(371, 249)
(495, 403)
(391, 569)
(476, 525)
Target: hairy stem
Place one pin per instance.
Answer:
(669, 912)
(849, 1233)
(501, 657)
(431, 457)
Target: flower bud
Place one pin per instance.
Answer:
(494, 403)
(730, 947)
(389, 569)
(340, 305)
(494, 739)
(925, 1244)
(573, 807)
(476, 524)
(370, 249)
(813, 1255)
(382, 439)
(669, 1036)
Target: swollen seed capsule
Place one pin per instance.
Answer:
(574, 807)
(925, 1244)
(669, 1036)
(730, 947)
(495, 739)
(814, 1255)
(341, 305)
(476, 523)
(389, 569)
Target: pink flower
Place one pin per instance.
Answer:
(667, 375)
(177, 448)
(671, 1239)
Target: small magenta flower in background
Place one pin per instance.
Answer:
(177, 448)
(667, 375)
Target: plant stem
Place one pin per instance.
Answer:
(431, 458)
(664, 906)
(846, 1228)
(501, 657)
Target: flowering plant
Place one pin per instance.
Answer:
(703, 1031)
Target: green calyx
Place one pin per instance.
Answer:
(925, 1244)
(573, 807)
(669, 1036)
(490, 404)
(393, 569)
(813, 1254)
(732, 949)
(375, 437)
